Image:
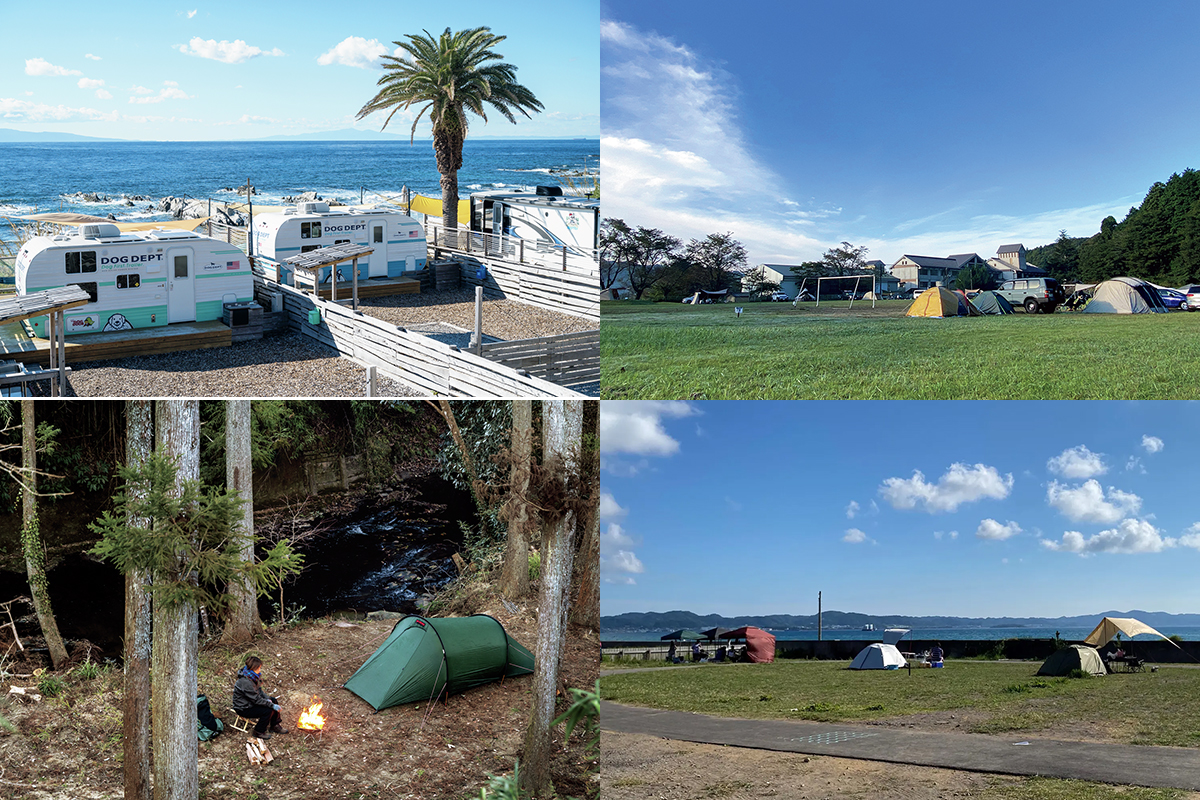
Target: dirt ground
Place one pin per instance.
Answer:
(70, 746)
(640, 767)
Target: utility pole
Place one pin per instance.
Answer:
(818, 616)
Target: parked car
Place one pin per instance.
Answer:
(1033, 294)
(779, 297)
(1173, 298)
(1191, 296)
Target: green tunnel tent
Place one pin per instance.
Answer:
(422, 658)
(1077, 656)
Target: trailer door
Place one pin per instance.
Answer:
(377, 266)
(181, 285)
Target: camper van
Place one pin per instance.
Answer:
(398, 239)
(545, 216)
(136, 280)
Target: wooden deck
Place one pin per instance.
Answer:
(16, 344)
(375, 287)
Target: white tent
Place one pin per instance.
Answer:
(1111, 626)
(1125, 296)
(878, 656)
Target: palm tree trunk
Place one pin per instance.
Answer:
(139, 441)
(176, 775)
(31, 540)
(447, 149)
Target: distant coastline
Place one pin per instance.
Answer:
(13, 136)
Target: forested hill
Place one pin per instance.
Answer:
(675, 620)
(1158, 241)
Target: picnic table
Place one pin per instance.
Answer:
(1125, 663)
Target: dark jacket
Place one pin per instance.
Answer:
(248, 693)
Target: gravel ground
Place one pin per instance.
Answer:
(502, 319)
(291, 365)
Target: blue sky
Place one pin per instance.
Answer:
(923, 128)
(959, 508)
(225, 70)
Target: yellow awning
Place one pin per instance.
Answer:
(173, 224)
(433, 207)
(1111, 626)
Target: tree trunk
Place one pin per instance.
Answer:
(562, 423)
(447, 150)
(139, 441)
(243, 623)
(514, 578)
(468, 463)
(585, 602)
(176, 774)
(31, 539)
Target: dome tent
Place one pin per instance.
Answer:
(878, 656)
(1077, 656)
(991, 303)
(1125, 296)
(938, 301)
(422, 658)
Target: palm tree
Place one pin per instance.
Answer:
(450, 75)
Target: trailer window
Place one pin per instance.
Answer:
(377, 234)
(81, 262)
(310, 230)
(129, 281)
(308, 248)
(341, 241)
(90, 288)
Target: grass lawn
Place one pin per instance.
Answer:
(1161, 708)
(675, 351)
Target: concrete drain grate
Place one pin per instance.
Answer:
(833, 737)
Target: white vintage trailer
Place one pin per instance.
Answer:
(545, 216)
(136, 280)
(398, 239)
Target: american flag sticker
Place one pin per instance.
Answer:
(233, 265)
(412, 234)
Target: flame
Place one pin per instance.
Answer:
(311, 719)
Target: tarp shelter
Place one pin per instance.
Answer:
(938, 301)
(894, 635)
(1111, 626)
(684, 634)
(422, 658)
(760, 645)
(1125, 296)
(713, 633)
(1077, 656)
(878, 656)
(991, 303)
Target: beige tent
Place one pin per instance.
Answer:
(1111, 626)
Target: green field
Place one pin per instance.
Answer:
(676, 351)
(1151, 708)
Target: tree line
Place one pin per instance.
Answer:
(1158, 241)
(657, 266)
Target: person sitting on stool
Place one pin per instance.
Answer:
(935, 655)
(251, 702)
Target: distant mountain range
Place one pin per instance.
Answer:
(675, 620)
(343, 135)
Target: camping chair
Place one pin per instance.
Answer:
(240, 723)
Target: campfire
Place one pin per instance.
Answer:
(311, 719)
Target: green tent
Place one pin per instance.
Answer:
(686, 633)
(991, 303)
(1077, 656)
(422, 658)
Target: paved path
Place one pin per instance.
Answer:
(1164, 767)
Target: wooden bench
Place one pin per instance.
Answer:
(240, 723)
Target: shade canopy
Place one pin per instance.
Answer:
(760, 645)
(684, 634)
(713, 633)
(1111, 626)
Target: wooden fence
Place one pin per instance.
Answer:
(567, 359)
(574, 291)
(226, 233)
(425, 364)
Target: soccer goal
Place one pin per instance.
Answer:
(856, 281)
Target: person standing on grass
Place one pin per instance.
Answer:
(251, 702)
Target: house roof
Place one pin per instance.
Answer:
(930, 261)
(962, 258)
(1010, 248)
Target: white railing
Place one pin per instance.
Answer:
(508, 248)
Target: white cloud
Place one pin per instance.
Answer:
(1135, 463)
(1088, 502)
(42, 67)
(618, 563)
(355, 51)
(140, 90)
(1130, 536)
(855, 536)
(852, 509)
(961, 484)
(89, 83)
(951, 534)
(993, 530)
(13, 110)
(234, 52)
(170, 91)
(192, 13)
(92, 57)
(609, 508)
(104, 94)
(1191, 537)
(1152, 444)
(635, 426)
(1077, 462)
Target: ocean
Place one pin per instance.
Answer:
(948, 634)
(35, 177)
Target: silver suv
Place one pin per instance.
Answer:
(1035, 294)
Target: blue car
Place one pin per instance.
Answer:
(1173, 298)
